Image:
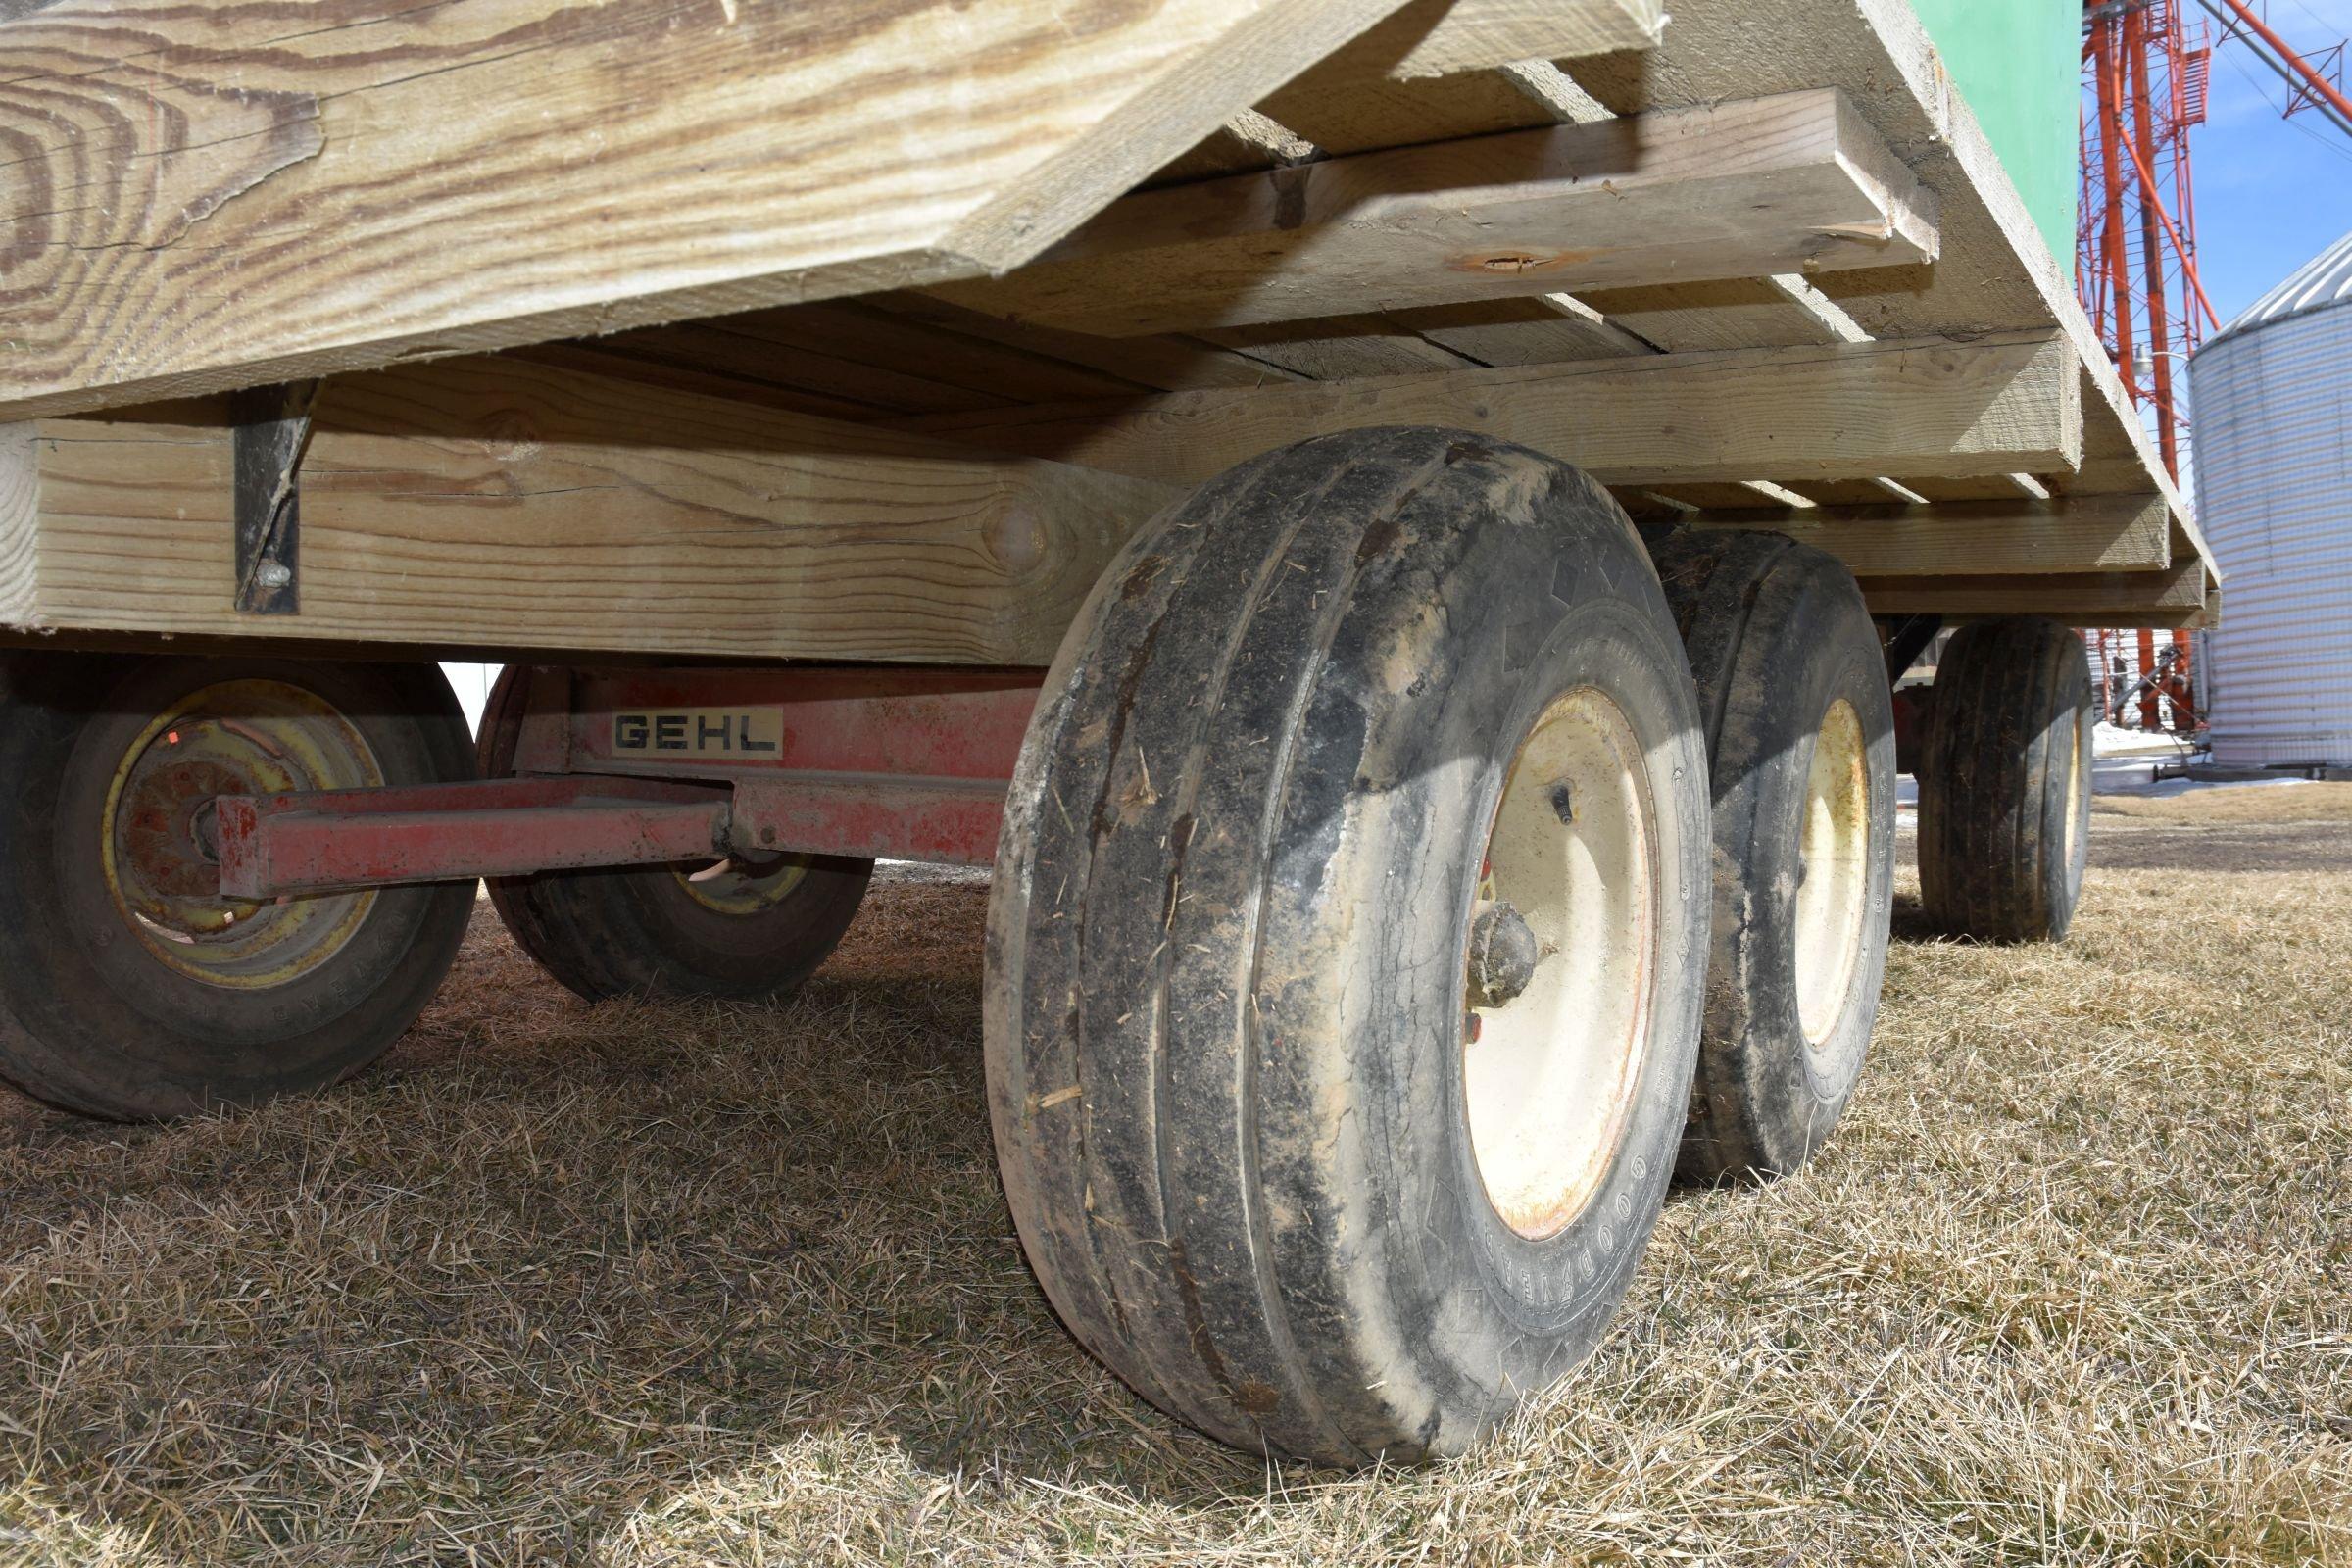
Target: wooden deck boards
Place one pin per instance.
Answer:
(897, 354)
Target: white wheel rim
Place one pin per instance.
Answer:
(1548, 1076)
(1833, 888)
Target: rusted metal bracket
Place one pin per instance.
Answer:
(271, 432)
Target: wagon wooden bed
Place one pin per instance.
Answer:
(781, 388)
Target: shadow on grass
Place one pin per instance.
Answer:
(551, 1265)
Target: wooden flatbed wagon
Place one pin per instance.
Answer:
(1390, 526)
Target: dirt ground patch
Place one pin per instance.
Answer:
(685, 1285)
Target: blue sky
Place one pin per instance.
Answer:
(2271, 192)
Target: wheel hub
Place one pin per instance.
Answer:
(160, 852)
(745, 884)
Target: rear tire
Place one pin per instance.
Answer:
(129, 987)
(1271, 1157)
(746, 929)
(2004, 792)
(1792, 694)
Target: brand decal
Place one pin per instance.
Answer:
(702, 732)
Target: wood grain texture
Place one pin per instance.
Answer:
(1169, 364)
(202, 197)
(1839, 410)
(1441, 38)
(1791, 183)
(1974, 539)
(19, 517)
(511, 504)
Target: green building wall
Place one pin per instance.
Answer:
(2017, 65)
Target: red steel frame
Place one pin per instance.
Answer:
(655, 766)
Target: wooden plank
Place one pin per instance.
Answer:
(1247, 142)
(720, 348)
(1839, 410)
(1974, 539)
(2088, 599)
(507, 503)
(853, 330)
(1171, 364)
(1996, 271)
(1849, 492)
(1728, 191)
(1340, 348)
(1440, 37)
(1412, 78)
(1533, 329)
(1349, 117)
(209, 196)
(1743, 313)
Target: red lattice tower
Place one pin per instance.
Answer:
(2135, 247)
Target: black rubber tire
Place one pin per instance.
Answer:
(1777, 634)
(1225, 995)
(636, 931)
(2004, 790)
(90, 1019)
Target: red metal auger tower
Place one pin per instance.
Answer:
(2146, 72)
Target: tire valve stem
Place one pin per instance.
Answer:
(1563, 803)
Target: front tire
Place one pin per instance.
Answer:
(130, 988)
(1801, 744)
(1317, 1148)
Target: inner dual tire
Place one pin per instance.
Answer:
(1801, 743)
(129, 986)
(1346, 950)
(745, 929)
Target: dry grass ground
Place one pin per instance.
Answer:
(642, 1285)
(2238, 804)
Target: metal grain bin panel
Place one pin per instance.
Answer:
(2272, 398)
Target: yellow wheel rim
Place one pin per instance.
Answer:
(1832, 890)
(247, 737)
(744, 886)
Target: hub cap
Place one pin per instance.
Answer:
(158, 855)
(1832, 886)
(1550, 1061)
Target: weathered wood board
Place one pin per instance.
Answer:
(1854, 410)
(203, 197)
(1977, 538)
(220, 196)
(510, 503)
(1796, 184)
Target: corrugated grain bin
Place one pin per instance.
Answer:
(2272, 397)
